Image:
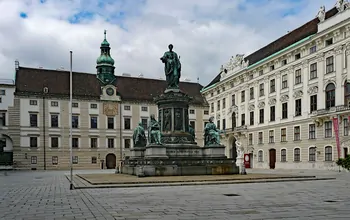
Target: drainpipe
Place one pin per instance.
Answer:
(121, 136)
(44, 131)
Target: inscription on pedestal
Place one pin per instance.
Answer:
(184, 152)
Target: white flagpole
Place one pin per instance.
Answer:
(70, 120)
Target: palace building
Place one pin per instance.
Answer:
(105, 110)
(282, 101)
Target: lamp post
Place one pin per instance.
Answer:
(70, 121)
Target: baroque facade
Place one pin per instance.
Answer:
(105, 110)
(279, 102)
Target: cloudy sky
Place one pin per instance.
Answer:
(205, 33)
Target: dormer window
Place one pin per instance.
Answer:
(272, 67)
(297, 56)
(329, 42)
(284, 62)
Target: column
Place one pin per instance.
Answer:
(347, 53)
(339, 90)
(321, 103)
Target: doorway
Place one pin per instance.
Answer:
(111, 161)
(346, 153)
(234, 149)
(272, 158)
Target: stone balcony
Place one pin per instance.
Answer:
(332, 111)
(240, 129)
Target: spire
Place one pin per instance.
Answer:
(105, 34)
(105, 63)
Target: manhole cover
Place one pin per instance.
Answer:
(330, 201)
(232, 194)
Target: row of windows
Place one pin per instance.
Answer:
(75, 159)
(328, 154)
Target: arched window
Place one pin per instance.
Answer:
(346, 93)
(312, 154)
(297, 154)
(260, 156)
(283, 155)
(330, 95)
(328, 153)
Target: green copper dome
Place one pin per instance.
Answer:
(105, 64)
(105, 59)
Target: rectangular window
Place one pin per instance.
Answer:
(250, 139)
(283, 155)
(33, 102)
(212, 107)
(346, 127)
(260, 156)
(93, 142)
(33, 160)
(144, 108)
(233, 99)
(218, 105)
(251, 93)
(75, 121)
(217, 124)
(283, 134)
(206, 112)
(75, 142)
(93, 160)
(329, 64)
(312, 49)
(144, 123)
(297, 154)
(261, 72)
(3, 118)
(272, 85)
(75, 159)
(313, 103)
(33, 141)
(75, 105)
(93, 121)
(329, 42)
(223, 124)
(243, 96)
(54, 142)
(110, 142)
(261, 116)
(192, 111)
(312, 154)
(2, 92)
(328, 129)
(224, 103)
(261, 89)
(312, 131)
(272, 113)
(298, 107)
(33, 120)
(285, 110)
(127, 143)
(328, 154)
(54, 103)
(272, 67)
(242, 119)
(54, 121)
(313, 71)
(284, 81)
(297, 56)
(127, 123)
(284, 62)
(298, 76)
(251, 76)
(127, 107)
(260, 138)
(297, 133)
(93, 106)
(54, 160)
(271, 136)
(110, 123)
(251, 118)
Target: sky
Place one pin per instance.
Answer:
(205, 33)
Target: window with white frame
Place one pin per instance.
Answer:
(297, 133)
(297, 154)
(283, 155)
(312, 154)
(260, 156)
(328, 153)
(312, 131)
(271, 136)
(328, 129)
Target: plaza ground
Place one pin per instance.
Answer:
(46, 195)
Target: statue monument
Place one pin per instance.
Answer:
(171, 148)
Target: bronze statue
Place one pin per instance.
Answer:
(154, 135)
(172, 68)
(139, 136)
(211, 133)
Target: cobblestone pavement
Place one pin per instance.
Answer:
(46, 195)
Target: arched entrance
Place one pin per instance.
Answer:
(234, 149)
(111, 161)
(272, 158)
(6, 150)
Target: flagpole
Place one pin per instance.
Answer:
(70, 120)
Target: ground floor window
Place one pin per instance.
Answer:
(260, 156)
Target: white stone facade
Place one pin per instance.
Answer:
(281, 108)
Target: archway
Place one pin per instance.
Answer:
(111, 161)
(272, 158)
(6, 150)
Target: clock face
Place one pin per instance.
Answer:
(110, 91)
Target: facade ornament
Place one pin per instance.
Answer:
(251, 107)
(321, 15)
(305, 63)
(342, 5)
(266, 79)
(242, 108)
(320, 57)
(218, 116)
(312, 90)
(233, 108)
(347, 52)
(284, 98)
(235, 62)
(221, 68)
(261, 105)
(298, 94)
(338, 50)
(272, 101)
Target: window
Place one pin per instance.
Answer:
(251, 93)
(285, 110)
(243, 96)
(329, 42)
(2, 92)
(33, 120)
(297, 133)
(297, 56)
(328, 129)
(284, 62)
(283, 134)
(260, 156)
(127, 143)
(33, 160)
(110, 142)
(127, 107)
(75, 142)
(242, 119)
(93, 142)
(329, 64)
(94, 106)
(3, 118)
(298, 76)
(250, 139)
(93, 160)
(261, 72)
(347, 93)
(312, 49)
(75, 105)
(260, 138)
(283, 155)
(144, 123)
(271, 136)
(297, 154)
(192, 111)
(218, 92)
(223, 124)
(328, 153)
(313, 71)
(233, 99)
(224, 103)
(261, 116)
(218, 105)
(75, 121)
(284, 81)
(298, 107)
(312, 154)
(251, 76)
(272, 113)
(33, 102)
(33, 142)
(346, 127)
(312, 131)
(193, 124)
(54, 103)
(54, 160)
(54, 142)
(272, 67)
(251, 118)
(54, 121)
(206, 112)
(330, 95)
(313, 103)
(75, 159)
(0, 99)
(261, 89)
(272, 86)
(212, 107)
(144, 108)
(242, 80)
(212, 94)
(93, 121)
(110, 123)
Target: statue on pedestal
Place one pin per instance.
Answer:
(154, 134)
(172, 68)
(211, 133)
(139, 136)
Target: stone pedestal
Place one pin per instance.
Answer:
(156, 151)
(240, 164)
(137, 152)
(214, 151)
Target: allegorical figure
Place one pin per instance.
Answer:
(154, 134)
(172, 68)
(211, 133)
(139, 136)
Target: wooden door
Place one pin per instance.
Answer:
(345, 152)
(111, 161)
(272, 158)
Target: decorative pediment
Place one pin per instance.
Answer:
(284, 98)
(312, 90)
(261, 105)
(272, 101)
(233, 108)
(235, 64)
(298, 94)
(251, 107)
